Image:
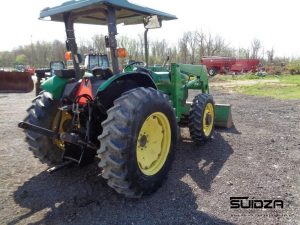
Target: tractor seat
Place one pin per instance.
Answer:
(65, 73)
(103, 73)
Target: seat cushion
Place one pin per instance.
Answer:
(65, 73)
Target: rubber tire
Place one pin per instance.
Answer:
(195, 118)
(212, 72)
(42, 113)
(119, 137)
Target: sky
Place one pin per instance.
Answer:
(274, 23)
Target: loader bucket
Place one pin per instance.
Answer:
(15, 82)
(223, 115)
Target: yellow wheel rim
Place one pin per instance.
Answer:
(208, 119)
(64, 117)
(153, 143)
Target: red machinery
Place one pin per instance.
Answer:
(216, 64)
(30, 70)
(15, 82)
(245, 65)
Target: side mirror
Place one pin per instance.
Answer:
(152, 22)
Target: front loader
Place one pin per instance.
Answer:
(128, 118)
(15, 82)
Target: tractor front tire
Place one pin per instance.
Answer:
(202, 118)
(42, 113)
(138, 142)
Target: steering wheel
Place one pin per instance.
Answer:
(137, 63)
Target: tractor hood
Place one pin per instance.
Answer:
(94, 12)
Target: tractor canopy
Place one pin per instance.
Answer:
(94, 12)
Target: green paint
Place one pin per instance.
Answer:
(184, 77)
(158, 68)
(174, 83)
(55, 85)
(223, 116)
(114, 78)
(222, 112)
(162, 81)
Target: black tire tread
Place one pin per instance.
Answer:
(115, 136)
(195, 118)
(41, 113)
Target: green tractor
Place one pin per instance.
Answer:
(129, 118)
(92, 61)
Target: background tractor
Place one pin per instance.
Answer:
(128, 118)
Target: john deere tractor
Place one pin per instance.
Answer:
(92, 61)
(129, 118)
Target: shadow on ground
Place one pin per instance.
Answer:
(231, 130)
(80, 196)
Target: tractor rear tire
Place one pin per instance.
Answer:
(202, 118)
(42, 113)
(138, 142)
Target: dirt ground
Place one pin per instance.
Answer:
(258, 158)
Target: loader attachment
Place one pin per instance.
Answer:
(223, 115)
(15, 82)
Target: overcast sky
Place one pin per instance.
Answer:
(274, 23)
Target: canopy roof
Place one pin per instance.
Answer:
(93, 12)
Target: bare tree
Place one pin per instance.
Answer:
(243, 53)
(183, 48)
(209, 45)
(57, 51)
(218, 45)
(270, 54)
(255, 47)
(99, 43)
(158, 51)
(192, 45)
(6, 59)
(201, 38)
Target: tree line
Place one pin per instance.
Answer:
(190, 48)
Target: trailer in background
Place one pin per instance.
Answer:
(216, 64)
(245, 65)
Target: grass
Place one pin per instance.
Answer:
(291, 79)
(287, 87)
(278, 92)
(249, 76)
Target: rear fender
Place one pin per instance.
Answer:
(120, 83)
(143, 79)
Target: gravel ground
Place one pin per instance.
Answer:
(258, 158)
